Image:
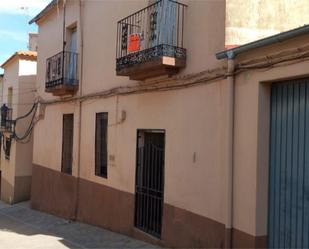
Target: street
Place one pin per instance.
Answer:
(22, 228)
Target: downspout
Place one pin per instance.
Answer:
(63, 37)
(80, 93)
(63, 31)
(230, 153)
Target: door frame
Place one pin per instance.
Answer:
(161, 131)
(263, 156)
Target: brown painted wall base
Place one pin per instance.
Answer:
(22, 188)
(106, 207)
(53, 192)
(186, 229)
(17, 193)
(243, 240)
(113, 209)
(7, 191)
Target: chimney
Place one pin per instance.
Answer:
(33, 42)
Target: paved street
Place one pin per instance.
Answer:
(22, 228)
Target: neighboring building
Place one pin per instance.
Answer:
(33, 42)
(16, 154)
(262, 18)
(178, 155)
(1, 88)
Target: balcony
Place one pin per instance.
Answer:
(62, 74)
(150, 41)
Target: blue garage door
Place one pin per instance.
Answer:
(288, 221)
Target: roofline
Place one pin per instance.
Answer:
(232, 53)
(17, 54)
(50, 6)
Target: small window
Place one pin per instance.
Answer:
(67, 144)
(101, 144)
(7, 148)
(10, 97)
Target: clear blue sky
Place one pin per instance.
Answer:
(14, 27)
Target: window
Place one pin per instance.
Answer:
(67, 144)
(7, 148)
(10, 97)
(71, 72)
(101, 144)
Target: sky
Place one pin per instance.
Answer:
(14, 27)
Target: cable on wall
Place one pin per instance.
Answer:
(25, 138)
(10, 126)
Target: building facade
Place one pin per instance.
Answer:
(258, 20)
(18, 94)
(145, 132)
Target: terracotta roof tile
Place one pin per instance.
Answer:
(22, 54)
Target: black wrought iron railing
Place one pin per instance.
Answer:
(157, 30)
(6, 119)
(62, 69)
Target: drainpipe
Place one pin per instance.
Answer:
(230, 154)
(80, 93)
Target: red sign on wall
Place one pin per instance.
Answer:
(134, 42)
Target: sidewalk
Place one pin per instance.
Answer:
(23, 228)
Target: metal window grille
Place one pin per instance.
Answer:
(101, 144)
(149, 187)
(6, 119)
(7, 148)
(67, 143)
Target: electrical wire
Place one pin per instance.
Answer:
(28, 113)
(25, 138)
(28, 132)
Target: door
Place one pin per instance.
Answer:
(72, 58)
(163, 23)
(288, 222)
(149, 188)
(73, 41)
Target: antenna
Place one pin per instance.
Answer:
(25, 10)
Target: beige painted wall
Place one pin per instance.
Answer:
(1, 90)
(249, 20)
(144, 111)
(171, 113)
(99, 38)
(252, 136)
(194, 118)
(51, 129)
(24, 152)
(99, 50)
(10, 80)
(8, 166)
(20, 75)
(153, 110)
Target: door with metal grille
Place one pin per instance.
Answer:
(288, 222)
(149, 188)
